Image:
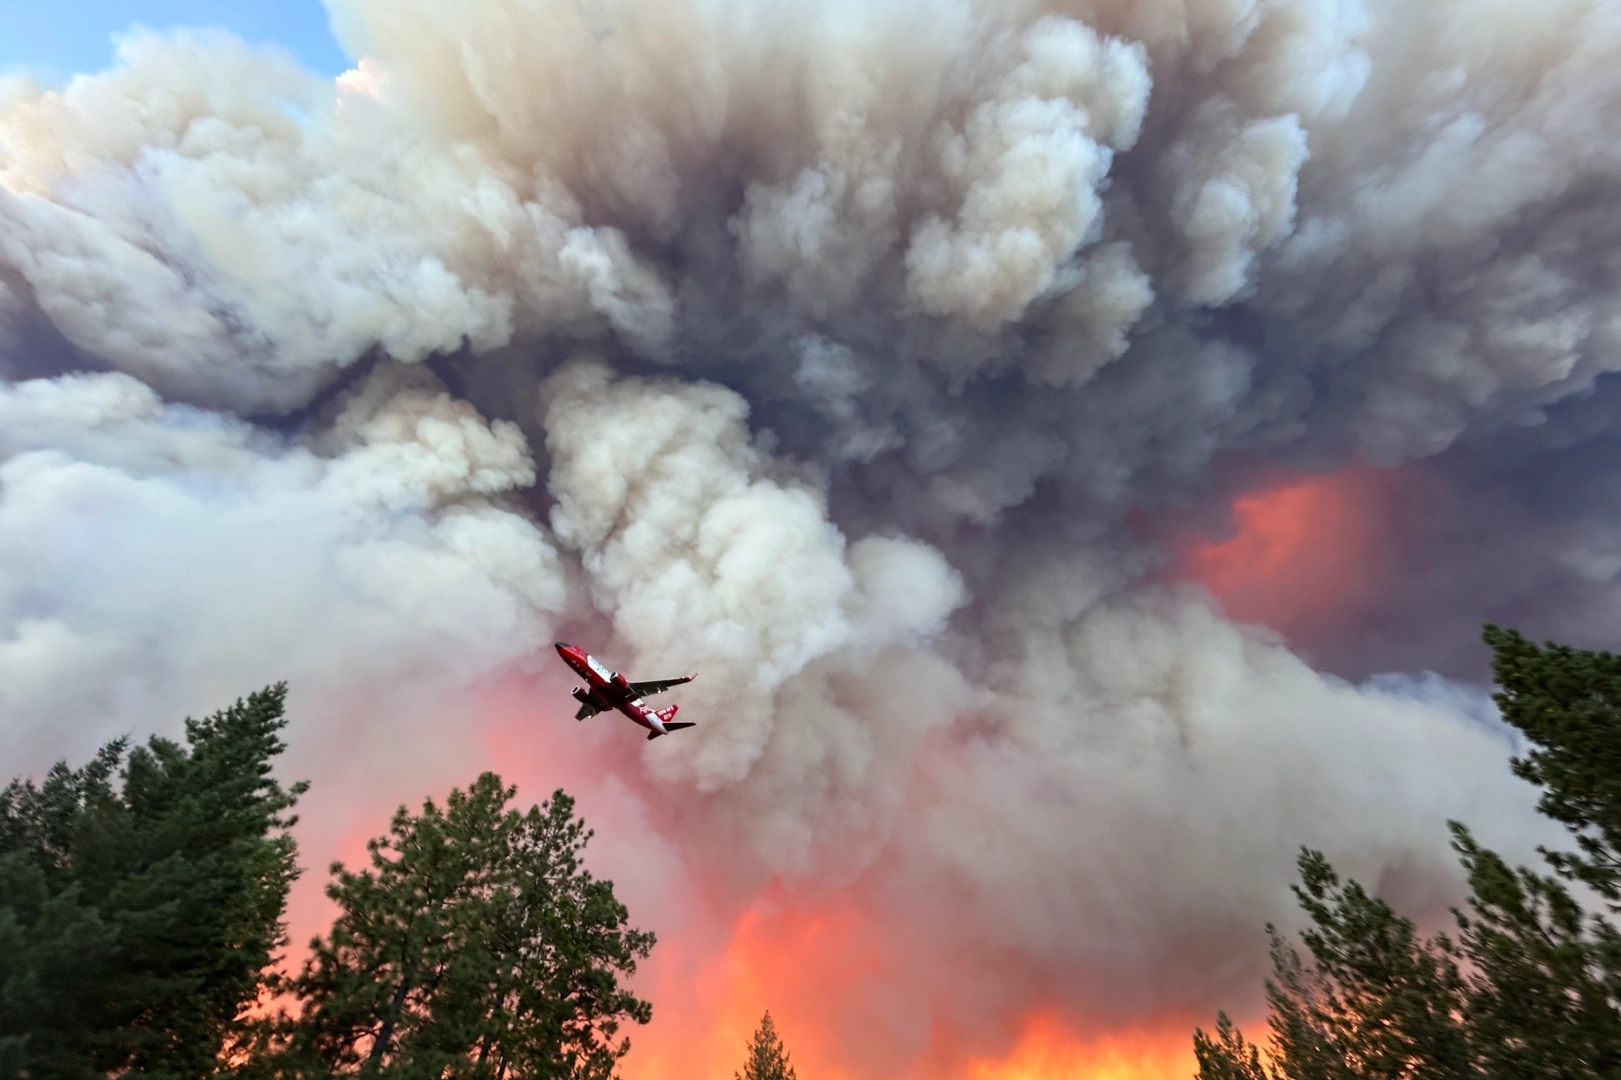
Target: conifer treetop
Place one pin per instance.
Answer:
(768, 1058)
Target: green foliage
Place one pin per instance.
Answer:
(138, 919)
(140, 905)
(1568, 703)
(768, 1059)
(1228, 1056)
(1545, 993)
(475, 945)
(1531, 987)
(1377, 1001)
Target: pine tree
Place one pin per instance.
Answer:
(768, 1060)
(1568, 703)
(139, 918)
(1228, 1056)
(1376, 1001)
(475, 945)
(1545, 996)
(1531, 985)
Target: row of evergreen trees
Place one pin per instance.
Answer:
(141, 907)
(1529, 986)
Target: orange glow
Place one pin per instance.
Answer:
(821, 974)
(1048, 1051)
(1302, 551)
(800, 965)
(849, 999)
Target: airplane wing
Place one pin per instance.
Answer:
(587, 711)
(658, 686)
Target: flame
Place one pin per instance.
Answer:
(1049, 1051)
(806, 966)
(834, 993)
(1302, 550)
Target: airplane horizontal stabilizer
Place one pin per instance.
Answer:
(651, 735)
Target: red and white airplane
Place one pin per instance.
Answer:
(605, 690)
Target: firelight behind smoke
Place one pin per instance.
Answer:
(1304, 553)
(1047, 1050)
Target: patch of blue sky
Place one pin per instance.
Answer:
(54, 41)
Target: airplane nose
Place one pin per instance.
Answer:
(562, 645)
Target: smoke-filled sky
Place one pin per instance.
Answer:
(1075, 443)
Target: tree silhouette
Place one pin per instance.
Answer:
(768, 1059)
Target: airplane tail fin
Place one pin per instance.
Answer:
(664, 716)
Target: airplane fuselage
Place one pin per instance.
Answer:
(606, 690)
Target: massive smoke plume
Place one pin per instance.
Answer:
(876, 361)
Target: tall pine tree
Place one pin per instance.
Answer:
(475, 945)
(768, 1058)
(141, 901)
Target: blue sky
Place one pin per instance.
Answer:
(57, 38)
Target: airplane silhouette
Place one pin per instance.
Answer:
(606, 690)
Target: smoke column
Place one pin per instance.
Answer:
(1075, 443)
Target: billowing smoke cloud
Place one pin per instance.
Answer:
(839, 353)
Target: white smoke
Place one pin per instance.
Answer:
(158, 558)
(824, 351)
(709, 565)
